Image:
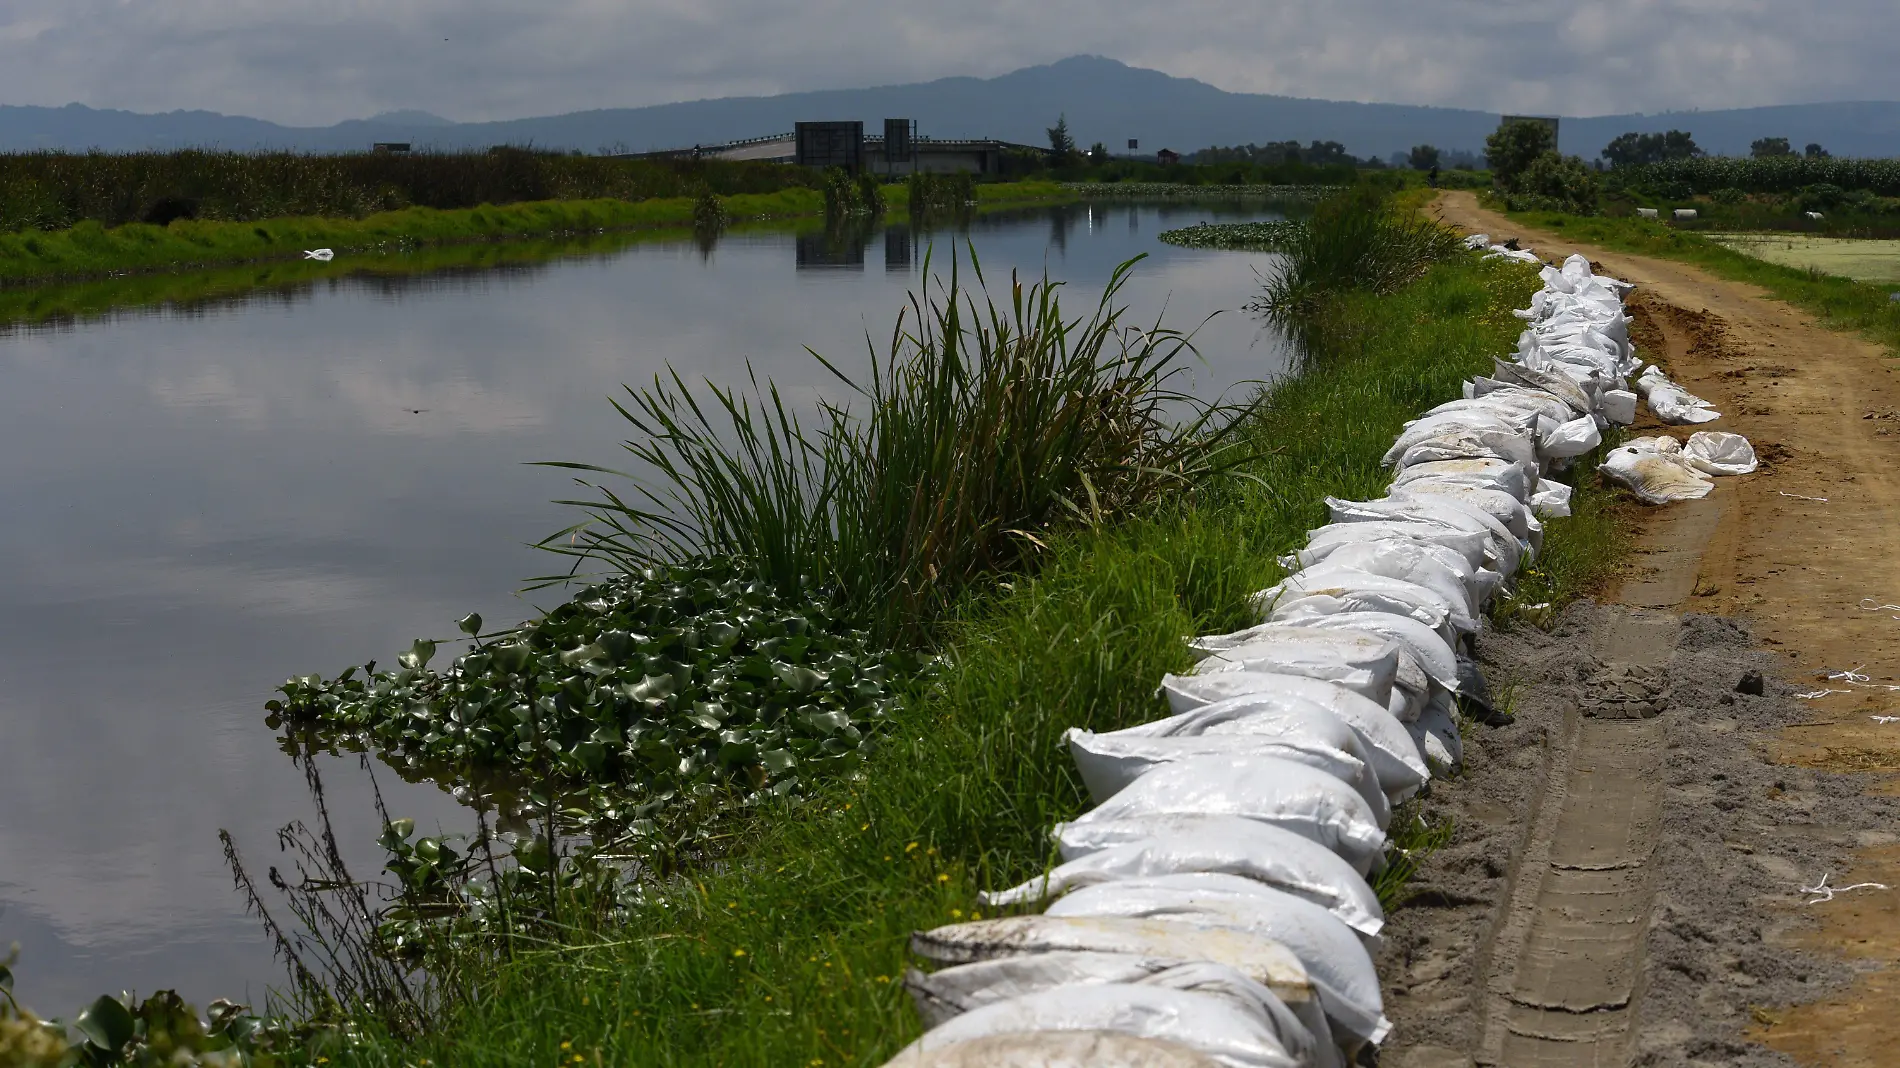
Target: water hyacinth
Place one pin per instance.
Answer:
(665, 681)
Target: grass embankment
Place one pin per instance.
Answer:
(790, 953)
(91, 250)
(1840, 303)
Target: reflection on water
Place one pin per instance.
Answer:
(202, 500)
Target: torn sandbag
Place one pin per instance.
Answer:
(1552, 499)
(1280, 792)
(1570, 439)
(1436, 734)
(1477, 241)
(1619, 407)
(943, 995)
(1249, 848)
(1671, 403)
(1716, 453)
(1337, 962)
(1258, 958)
(1055, 1049)
(1212, 1025)
(1328, 588)
(1224, 703)
(1654, 477)
(1518, 480)
(1109, 762)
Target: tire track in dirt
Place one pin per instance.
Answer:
(1823, 410)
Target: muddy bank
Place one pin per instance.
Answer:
(1722, 861)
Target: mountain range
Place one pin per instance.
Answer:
(1104, 100)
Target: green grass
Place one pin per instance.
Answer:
(1840, 303)
(789, 952)
(90, 250)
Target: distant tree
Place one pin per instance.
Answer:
(1815, 151)
(1098, 153)
(1322, 153)
(1422, 157)
(1512, 148)
(1061, 145)
(1560, 178)
(1770, 146)
(1632, 149)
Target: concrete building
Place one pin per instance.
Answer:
(927, 155)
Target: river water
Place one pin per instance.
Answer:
(200, 502)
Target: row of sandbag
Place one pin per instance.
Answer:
(1214, 905)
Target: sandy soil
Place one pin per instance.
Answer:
(1731, 941)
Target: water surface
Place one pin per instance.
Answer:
(200, 502)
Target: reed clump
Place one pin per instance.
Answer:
(1355, 241)
(984, 425)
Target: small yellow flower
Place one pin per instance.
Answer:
(567, 1045)
(943, 878)
(866, 827)
(976, 915)
(910, 847)
(956, 914)
(738, 952)
(732, 904)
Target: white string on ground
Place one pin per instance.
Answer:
(1878, 607)
(1850, 675)
(1825, 892)
(1813, 694)
(1885, 719)
(1801, 496)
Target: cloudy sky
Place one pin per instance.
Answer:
(305, 62)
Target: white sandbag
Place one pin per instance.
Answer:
(1715, 453)
(1552, 499)
(1431, 566)
(1570, 439)
(1671, 403)
(1248, 848)
(1461, 434)
(1246, 702)
(1255, 956)
(1562, 386)
(1055, 1049)
(1212, 1025)
(1646, 213)
(1301, 799)
(1434, 653)
(1327, 588)
(1518, 480)
(1322, 541)
(1365, 665)
(1685, 213)
(1509, 511)
(1503, 550)
(1521, 255)
(1654, 477)
(1436, 733)
(1409, 681)
(1336, 961)
(951, 992)
(1477, 241)
(1109, 762)
(1619, 406)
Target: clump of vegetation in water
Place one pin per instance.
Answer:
(935, 196)
(1242, 237)
(847, 194)
(161, 1030)
(669, 682)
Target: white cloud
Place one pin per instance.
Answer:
(485, 59)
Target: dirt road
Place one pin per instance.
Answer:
(1806, 551)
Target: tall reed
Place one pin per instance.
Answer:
(982, 426)
(1355, 240)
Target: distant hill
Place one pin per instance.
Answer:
(1105, 101)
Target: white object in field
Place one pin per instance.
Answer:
(1619, 406)
(322, 255)
(1716, 453)
(1337, 962)
(1249, 848)
(1570, 439)
(1363, 663)
(1457, 435)
(1655, 477)
(1212, 1025)
(1301, 799)
(1054, 1049)
(1685, 213)
(1552, 499)
(1576, 394)
(1509, 511)
(1477, 241)
(1108, 763)
(1815, 215)
(1522, 255)
(1432, 566)
(1223, 703)
(1409, 683)
(951, 992)
(1436, 733)
(1646, 213)
(1255, 956)
(1503, 552)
